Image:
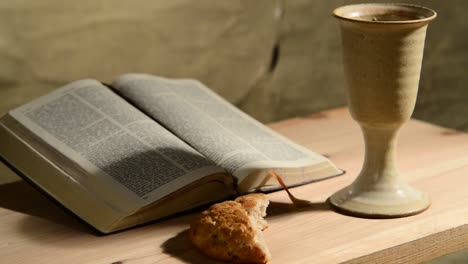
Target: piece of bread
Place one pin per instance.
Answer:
(232, 230)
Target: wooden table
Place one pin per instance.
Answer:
(434, 159)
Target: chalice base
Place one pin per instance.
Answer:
(380, 204)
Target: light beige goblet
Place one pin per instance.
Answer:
(382, 50)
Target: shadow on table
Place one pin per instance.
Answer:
(181, 248)
(277, 209)
(23, 198)
(45, 214)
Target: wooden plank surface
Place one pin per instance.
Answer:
(434, 159)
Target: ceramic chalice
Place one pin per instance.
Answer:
(382, 49)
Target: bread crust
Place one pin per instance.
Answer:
(226, 231)
(250, 201)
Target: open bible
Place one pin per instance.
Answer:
(146, 147)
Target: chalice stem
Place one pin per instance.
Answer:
(379, 167)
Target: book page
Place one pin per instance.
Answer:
(125, 154)
(210, 124)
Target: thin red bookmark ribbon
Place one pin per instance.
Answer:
(295, 201)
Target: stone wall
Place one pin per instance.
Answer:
(275, 59)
